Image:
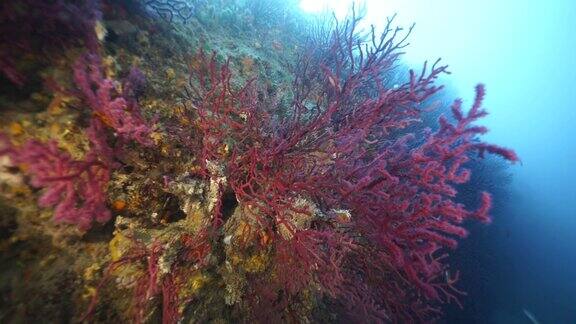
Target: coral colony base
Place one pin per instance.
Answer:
(222, 191)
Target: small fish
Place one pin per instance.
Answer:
(341, 216)
(100, 30)
(530, 316)
(277, 46)
(334, 82)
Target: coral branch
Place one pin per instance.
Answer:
(118, 113)
(75, 188)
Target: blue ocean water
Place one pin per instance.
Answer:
(522, 268)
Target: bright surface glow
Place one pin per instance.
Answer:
(339, 7)
(314, 6)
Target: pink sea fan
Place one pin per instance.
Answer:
(75, 188)
(118, 113)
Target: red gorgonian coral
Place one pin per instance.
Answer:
(352, 147)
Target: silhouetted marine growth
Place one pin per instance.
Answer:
(174, 9)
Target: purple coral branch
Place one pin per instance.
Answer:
(122, 114)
